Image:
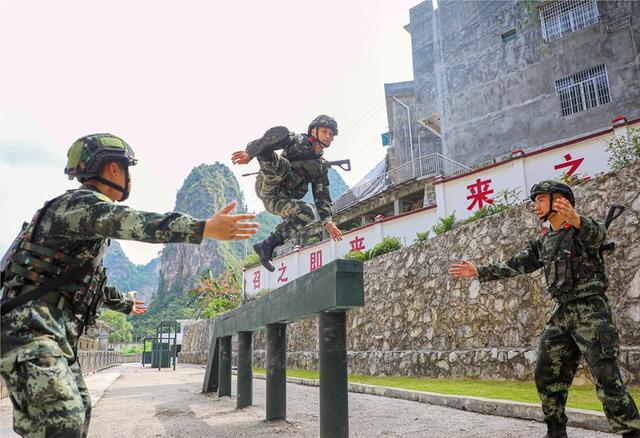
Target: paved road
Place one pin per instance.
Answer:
(149, 403)
(143, 402)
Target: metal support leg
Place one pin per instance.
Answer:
(224, 388)
(245, 370)
(276, 372)
(334, 406)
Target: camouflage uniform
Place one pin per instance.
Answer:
(38, 359)
(284, 179)
(580, 325)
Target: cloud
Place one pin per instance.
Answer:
(23, 153)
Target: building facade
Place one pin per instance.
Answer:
(491, 77)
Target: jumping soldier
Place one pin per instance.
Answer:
(581, 324)
(284, 179)
(53, 282)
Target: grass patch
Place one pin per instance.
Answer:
(580, 397)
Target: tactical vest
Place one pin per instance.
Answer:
(567, 265)
(33, 266)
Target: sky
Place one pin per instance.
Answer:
(186, 83)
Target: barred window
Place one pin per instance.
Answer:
(562, 17)
(583, 90)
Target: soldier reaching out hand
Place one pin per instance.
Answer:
(54, 282)
(581, 323)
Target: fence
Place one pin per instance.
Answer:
(421, 167)
(91, 361)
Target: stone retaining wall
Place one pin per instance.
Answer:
(418, 320)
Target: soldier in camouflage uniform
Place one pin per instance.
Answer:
(284, 179)
(53, 282)
(581, 324)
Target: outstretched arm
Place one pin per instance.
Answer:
(523, 262)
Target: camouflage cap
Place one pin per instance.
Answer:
(552, 186)
(88, 154)
(326, 121)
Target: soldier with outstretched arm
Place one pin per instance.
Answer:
(53, 282)
(284, 179)
(581, 324)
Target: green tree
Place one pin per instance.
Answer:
(122, 330)
(213, 296)
(624, 150)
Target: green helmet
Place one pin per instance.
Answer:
(552, 186)
(326, 121)
(89, 154)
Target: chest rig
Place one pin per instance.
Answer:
(306, 167)
(35, 271)
(567, 264)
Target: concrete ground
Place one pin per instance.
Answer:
(144, 402)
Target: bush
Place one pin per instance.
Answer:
(313, 240)
(504, 199)
(624, 150)
(444, 224)
(421, 237)
(358, 255)
(388, 244)
(252, 260)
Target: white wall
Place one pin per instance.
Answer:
(451, 195)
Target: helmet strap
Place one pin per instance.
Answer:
(123, 190)
(316, 139)
(551, 210)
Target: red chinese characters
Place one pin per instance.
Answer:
(315, 261)
(357, 244)
(282, 269)
(479, 191)
(572, 164)
(256, 280)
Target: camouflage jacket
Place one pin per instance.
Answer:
(307, 167)
(571, 259)
(78, 223)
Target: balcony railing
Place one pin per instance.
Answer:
(422, 167)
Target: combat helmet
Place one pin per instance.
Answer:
(326, 121)
(552, 186)
(87, 156)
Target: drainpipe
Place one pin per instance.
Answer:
(413, 164)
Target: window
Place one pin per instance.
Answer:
(562, 17)
(509, 36)
(583, 90)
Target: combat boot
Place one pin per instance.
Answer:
(555, 430)
(632, 434)
(265, 145)
(265, 249)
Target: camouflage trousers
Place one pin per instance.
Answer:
(583, 328)
(39, 366)
(270, 189)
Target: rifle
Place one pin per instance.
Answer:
(342, 164)
(615, 210)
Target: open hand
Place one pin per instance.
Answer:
(240, 157)
(334, 231)
(226, 226)
(566, 211)
(464, 269)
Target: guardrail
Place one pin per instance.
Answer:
(421, 167)
(90, 361)
(328, 292)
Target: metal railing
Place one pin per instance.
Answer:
(327, 293)
(426, 166)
